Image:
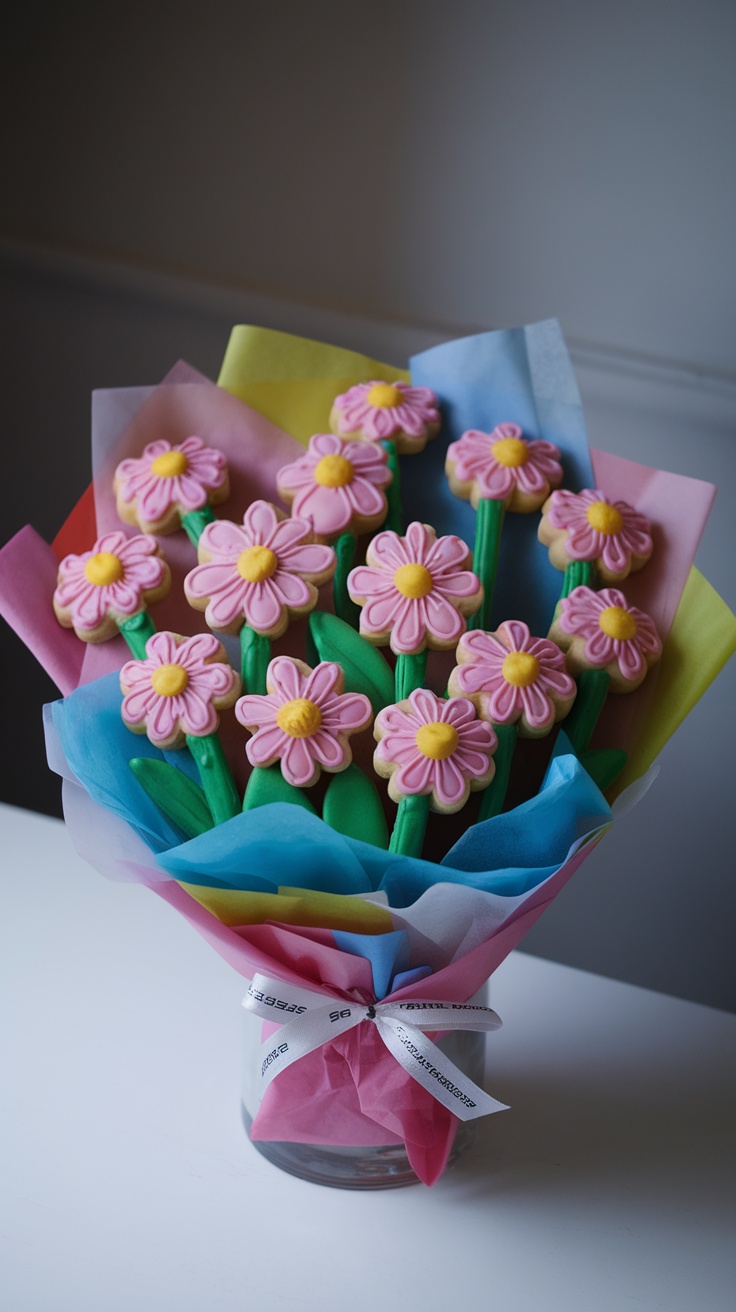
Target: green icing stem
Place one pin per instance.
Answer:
(593, 688)
(214, 773)
(195, 522)
(344, 607)
(410, 673)
(493, 797)
(395, 516)
(175, 794)
(579, 573)
(255, 655)
(136, 631)
(407, 836)
(488, 526)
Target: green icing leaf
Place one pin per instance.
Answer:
(603, 765)
(268, 785)
(175, 794)
(365, 669)
(352, 806)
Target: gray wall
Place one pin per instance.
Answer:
(448, 162)
(435, 168)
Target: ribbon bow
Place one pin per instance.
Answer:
(308, 1020)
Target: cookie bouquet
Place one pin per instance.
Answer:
(342, 649)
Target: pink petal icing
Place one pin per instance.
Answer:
(154, 496)
(569, 511)
(579, 617)
(229, 600)
(408, 623)
(448, 781)
(89, 605)
(480, 675)
(326, 747)
(358, 504)
(414, 415)
(474, 462)
(211, 685)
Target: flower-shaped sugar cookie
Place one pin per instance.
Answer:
(513, 678)
(156, 489)
(337, 486)
(415, 591)
(434, 745)
(503, 466)
(178, 688)
(263, 572)
(601, 631)
(587, 526)
(118, 578)
(304, 721)
(374, 412)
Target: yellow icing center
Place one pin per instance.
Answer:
(169, 680)
(437, 740)
(256, 564)
(604, 518)
(617, 623)
(383, 395)
(413, 581)
(510, 451)
(103, 568)
(299, 718)
(333, 471)
(170, 464)
(520, 668)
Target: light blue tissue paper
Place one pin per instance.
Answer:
(521, 375)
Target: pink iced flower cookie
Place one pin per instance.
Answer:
(119, 577)
(587, 526)
(503, 466)
(513, 678)
(178, 688)
(304, 721)
(375, 412)
(415, 591)
(156, 489)
(337, 486)
(601, 631)
(436, 746)
(262, 573)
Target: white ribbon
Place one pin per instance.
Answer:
(308, 1020)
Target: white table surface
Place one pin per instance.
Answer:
(129, 1186)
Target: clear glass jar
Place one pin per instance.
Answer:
(356, 1167)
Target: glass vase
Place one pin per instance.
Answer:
(355, 1166)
